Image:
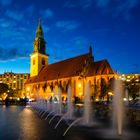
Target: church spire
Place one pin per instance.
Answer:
(39, 43)
(39, 31)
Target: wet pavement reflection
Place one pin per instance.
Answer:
(21, 123)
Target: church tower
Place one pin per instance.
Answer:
(38, 58)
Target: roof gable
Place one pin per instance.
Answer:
(100, 68)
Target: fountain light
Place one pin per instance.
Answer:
(18, 99)
(125, 99)
(96, 99)
(110, 93)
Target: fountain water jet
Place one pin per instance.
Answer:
(69, 103)
(69, 113)
(57, 106)
(60, 101)
(87, 105)
(118, 109)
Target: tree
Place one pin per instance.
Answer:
(95, 91)
(3, 88)
(106, 87)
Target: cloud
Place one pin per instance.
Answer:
(124, 8)
(80, 41)
(119, 4)
(67, 25)
(30, 9)
(5, 2)
(86, 3)
(69, 4)
(13, 53)
(116, 8)
(79, 3)
(49, 13)
(102, 3)
(16, 15)
(46, 29)
(4, 23)
(9, 29)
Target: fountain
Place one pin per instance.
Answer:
(69, 103)
(87, 105)
(58, 108)
(59, 101)
(118, 109)
(68, 118)
(86, 119)
(69, 113)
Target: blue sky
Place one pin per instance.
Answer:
(112, 27)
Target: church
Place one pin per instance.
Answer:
(45, 78)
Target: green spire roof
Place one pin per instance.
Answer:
(39, 31)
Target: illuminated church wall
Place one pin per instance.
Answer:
(49, 89)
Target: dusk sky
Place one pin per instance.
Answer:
(112, 27)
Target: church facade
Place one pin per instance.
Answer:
(45, 78)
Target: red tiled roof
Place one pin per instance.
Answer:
(67, 68)
(70, 68)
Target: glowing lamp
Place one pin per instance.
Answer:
(110, 93)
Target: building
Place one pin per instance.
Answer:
(132, 84)
(129, 77)
(45, 78)
(15, 81)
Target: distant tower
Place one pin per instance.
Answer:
(38, 58)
